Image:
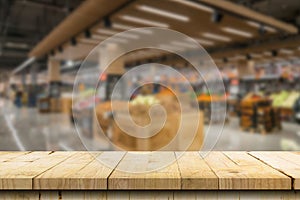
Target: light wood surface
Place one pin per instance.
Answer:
(166, 178)
(238, 170)
(189, 171)
(285, 162)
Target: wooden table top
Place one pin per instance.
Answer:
(82, 171)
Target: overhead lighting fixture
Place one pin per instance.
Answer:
(249, 57)
(89, 41)
(143, 21)
(125, 35)
(107, 22)
(239, 57)
(69, 63)
(171, 47)
(216, 17)
(237, 32)
(116, 39)
(253, 55)
(217, 37)
(60, 49)
(87, 33)
(196, 5)
(274, 53)
(73, 41)
(125, 27)
(204, 42)
(16, 45)
(267, 53)
(184, 44)
(257, 25)
(163, 13)
(286, 51)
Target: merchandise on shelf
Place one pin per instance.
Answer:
(257, 114)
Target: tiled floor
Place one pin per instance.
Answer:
(27, 129)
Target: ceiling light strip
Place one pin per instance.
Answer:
(163, 13)
(143, 21)
(237, 32)
(217, 37)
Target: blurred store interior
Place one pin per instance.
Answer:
(58, 85)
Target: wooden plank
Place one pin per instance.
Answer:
(238, 170)
(5, 156)
(286, 162)
(195, 173)
(60, 176)
(30, 157)
(19, 174)
(91, 176)
(164, 178)
(251, 14)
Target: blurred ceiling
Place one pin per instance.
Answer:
(285, 10)
(23, 23)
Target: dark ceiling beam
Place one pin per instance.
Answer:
(85, 16)
(40, 5)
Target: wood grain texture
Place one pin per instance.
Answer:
(195, 173)
(240, 171)
(18, 173)
(5, 156)
(81, 171)
(84, 171)
(163, 179)
(286, 162)
(60, 176)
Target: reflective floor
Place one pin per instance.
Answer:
(27, 129)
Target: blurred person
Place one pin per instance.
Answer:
(18, 98)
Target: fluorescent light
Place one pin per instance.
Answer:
(100, 37)
(257, 25)
(163, 13)
(217, 37)
(237, 32)
(17, 45)
(204, 42)
(125, 35)
(253, 55)
(70, 63)
(267, 53)
(89, 41)
(196, 5)
(171, 47)
(184, 44)
(143, 21)
(286, 51)
(125, 27)
(239, 57)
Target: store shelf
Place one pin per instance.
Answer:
(217, 171)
